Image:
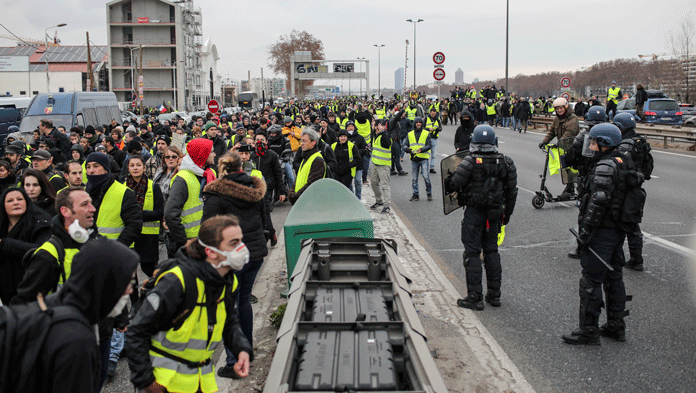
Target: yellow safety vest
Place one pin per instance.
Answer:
(190, 342)
(380, 155)
(150, 227)
(380, 114)
(342, 122)
(420, 144)
(364, 130)
(67, 263)
(192, 211)
(613, 94)
(434, 124)
(84, 173)
(353, 170)
(411, 113)
(109, 222)
(490, 109)
(303, 173)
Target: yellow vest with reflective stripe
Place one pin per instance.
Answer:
(434, 125)
(380, 113)
(342, 122)
(364, 130)
(67, 263)
(192, 211)
(353, 170)
(84, 173)
(411, 113)
(303, 173)
(613, 94)
(490, 109)
(190, 342)
(109, 222)
(413, 145)
(380, 155)
(256, 173)
(150, 227)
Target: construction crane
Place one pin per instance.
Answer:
(20, 40)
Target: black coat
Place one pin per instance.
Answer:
(31, 231)
(462, 137)
(343, 162)
(241, 195)
(131, 213)
(269, 165)
(118, 155)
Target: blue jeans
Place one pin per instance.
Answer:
(433, 152)
(117, 341)
(246, 278)
(357, 183)
(514, 123)
(290, 175)
(420, 167)
(366, 166)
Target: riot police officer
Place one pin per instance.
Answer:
(574, 158)
(637, 148)
(486, 184)
(602, 214)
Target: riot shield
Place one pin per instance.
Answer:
(448, 166)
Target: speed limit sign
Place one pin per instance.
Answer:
(439, 57)
(565, 82)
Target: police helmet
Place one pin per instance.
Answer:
(483, 139)
(595, 115)
(12, 129)
(625, 121)
(607, 135)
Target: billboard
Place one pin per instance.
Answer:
(344, 67)
(14, 63)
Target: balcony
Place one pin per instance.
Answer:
(146, 88)
(147, 64)
(143, 22)
(149, 42)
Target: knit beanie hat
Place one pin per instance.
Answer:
(99, 158)
(133, 145)
(209, 124)
(199, 149)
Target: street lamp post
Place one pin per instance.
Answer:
(361, 65)
(414, 49)
(379, 69)
(48, 80)
(507, 34)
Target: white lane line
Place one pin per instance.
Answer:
(673, 154)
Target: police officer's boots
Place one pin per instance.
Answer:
(493, 297)
(577, 254)
(615, 328)
(586, 334)
(474, 301)
(635, 263)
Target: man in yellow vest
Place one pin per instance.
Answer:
(184, 207)
(118, 215)
(75, 214)
(417, 144)
(313, 166)
(433, 126)
(614, 95)
(171, 341)
(381, 166)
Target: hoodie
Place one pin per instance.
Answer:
(462, 137)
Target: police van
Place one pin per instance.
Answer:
(70, 109)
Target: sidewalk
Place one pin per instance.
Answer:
(468, 357)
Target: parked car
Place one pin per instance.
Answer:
(128, 116)
(688, 110)
(172, 115)
(658, 109)
(691, 121)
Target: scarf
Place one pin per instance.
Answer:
(95, 182)
(140, 188)
(261, 149)
(188, 164)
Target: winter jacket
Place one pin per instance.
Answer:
(130, 213)
(566, 126)
(406, 146)
(269, 165)
(293, 134)
(242, 196)
(579, 109)
(42, 274)
(178, 195)
(360, 142)
(150, 320)
(118, 155)
(152, 164)
(641, 96)
(326, 153)
(316, 172)
(462, 137)
(278, 144)
(525, 111)
(32, 230)
(343, 162)
(219, 148)
(61, 141)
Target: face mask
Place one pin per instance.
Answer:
(351, 132)
(120, 305)
(235, 259)
(78, 233)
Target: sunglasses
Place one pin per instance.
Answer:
(171, 157)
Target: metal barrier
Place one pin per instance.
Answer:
(350, 324)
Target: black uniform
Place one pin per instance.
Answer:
(637, 148)
(602, 229)
(487, 187)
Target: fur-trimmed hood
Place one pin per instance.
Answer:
(239, 186)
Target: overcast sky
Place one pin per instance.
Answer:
(544, 35)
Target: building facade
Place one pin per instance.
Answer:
(459, 76)
(399, 80)
(175, 62)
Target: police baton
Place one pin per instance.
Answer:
(582, 243)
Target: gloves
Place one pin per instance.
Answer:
(541, 145)
(584, 236)
(506, 219)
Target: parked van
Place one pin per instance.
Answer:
(69, 110)
(21, 103)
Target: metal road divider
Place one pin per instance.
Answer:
(350, 324)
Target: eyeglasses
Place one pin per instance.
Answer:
(171, 157)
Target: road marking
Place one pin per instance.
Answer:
(678, 248)
(673, 154)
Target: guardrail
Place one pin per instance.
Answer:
(653, 131)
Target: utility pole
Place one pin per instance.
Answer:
(507, 34)
(263, 89)
(89, 65)
(140, 78)
(212, 90)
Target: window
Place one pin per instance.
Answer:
(663, 105)
(90, 116)
(103, 116)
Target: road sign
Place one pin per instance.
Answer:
(565, 82)
(213, 106)
(439, 66)
(566, 96)
(439, 74)
(439, 57)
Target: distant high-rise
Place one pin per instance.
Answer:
(459, 76)
(399, 80)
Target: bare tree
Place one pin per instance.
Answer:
(682, 46)
(279, 55)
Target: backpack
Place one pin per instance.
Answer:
(23, 332)
(648, 162)
(29, 257)
(191, 296)
(634, 199)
